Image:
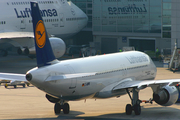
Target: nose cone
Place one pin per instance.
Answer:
(36, 77)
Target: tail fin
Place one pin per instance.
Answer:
(44, 52)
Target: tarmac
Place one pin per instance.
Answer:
(30, 103)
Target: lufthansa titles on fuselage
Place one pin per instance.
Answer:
(26, 13)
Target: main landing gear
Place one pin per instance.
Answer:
(135, 103)
(64, 106)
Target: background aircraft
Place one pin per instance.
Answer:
(16, 24)
(96, 77)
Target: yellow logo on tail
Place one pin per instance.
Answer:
(40, 34)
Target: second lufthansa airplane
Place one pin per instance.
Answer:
(96, 77)
(61, 17)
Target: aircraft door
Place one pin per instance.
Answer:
(61, 19)
(73, 81)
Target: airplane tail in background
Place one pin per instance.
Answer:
(44, 52)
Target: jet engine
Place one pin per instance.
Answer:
(57, 45)
(166, 96)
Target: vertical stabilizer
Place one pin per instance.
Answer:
(44, 52)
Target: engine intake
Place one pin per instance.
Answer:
(166, 96)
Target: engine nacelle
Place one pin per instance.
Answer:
(30, 51)
(57, 44)
(166, 96)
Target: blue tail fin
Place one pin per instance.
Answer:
(44, 52)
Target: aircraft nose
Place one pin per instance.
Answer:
(29, 77)
(36, 76)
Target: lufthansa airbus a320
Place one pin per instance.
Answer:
(96, 77)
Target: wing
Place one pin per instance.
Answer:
(130, 83)
(17, 39)
(12, 78)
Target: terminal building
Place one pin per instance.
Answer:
(143, 24)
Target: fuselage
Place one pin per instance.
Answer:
(110, 70)
(61, 18)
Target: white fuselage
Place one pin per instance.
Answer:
(110, 70)
(61, 18)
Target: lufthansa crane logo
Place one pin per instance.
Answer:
(40, 34)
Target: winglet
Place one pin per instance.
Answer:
(44, 52)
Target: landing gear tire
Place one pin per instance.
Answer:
(128, 109)
(57, 108)
(66, 108)
(137, 109)
(15, 86)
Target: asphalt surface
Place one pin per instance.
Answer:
(30, 103)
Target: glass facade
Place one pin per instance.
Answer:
(130, 16)
(139, 16)
(166, 19)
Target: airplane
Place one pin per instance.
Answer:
(96, 77)
(16, 24)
